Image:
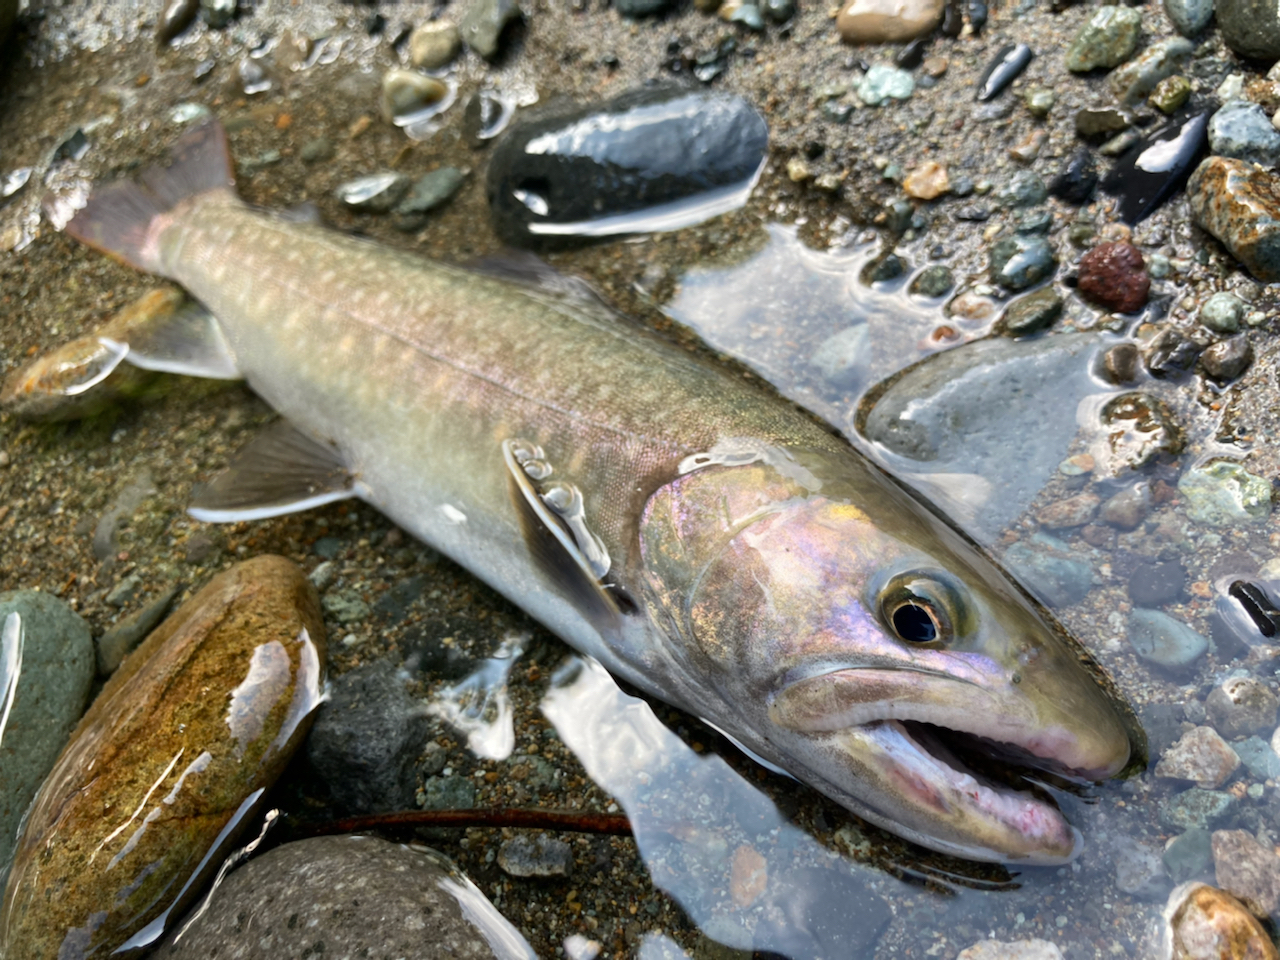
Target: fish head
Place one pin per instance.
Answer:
(876, 654)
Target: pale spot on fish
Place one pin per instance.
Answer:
(452, 513)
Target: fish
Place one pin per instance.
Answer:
(704, 540)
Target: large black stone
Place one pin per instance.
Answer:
(652, 159)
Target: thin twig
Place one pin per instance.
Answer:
(525, 818)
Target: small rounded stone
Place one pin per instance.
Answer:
(1223, 312)
(434, 44)
(405, 92)
(888, 21)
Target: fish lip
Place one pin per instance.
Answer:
(1039, 746)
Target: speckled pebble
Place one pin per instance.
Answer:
(1189, 16)
(1031, 314)
(882, 83)
(1240, 205)
(434, 44)
(1107, 39)
(1224, 494)
(1244, 131)
(1050, 569)
(524, 856)
(1114, 276)
(1131, 82)
(1247, 870)
(1228, 359)
(1205, 923)
(1196, 808)
(1223, 312)
(1019, 262)
(934, 280)
(1240, 706)
(1139, 870)
(1200, 755)
(1164, 642)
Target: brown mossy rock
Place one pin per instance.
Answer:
(184, 738)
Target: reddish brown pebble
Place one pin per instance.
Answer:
(1113, 276)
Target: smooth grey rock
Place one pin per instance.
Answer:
(483, 24)
(1050, 569)
(1131, 82)
(1228, 359)
(53, 686)
(843, 357)
(432, 190)
(1031, 314)
(1165, 642)
(1250, 27)
(970, 412)
(1189, 16)
(348, 896)
(1195, 808)
(1189, 854)
(1108, 39)
(1244, 131)
(524, 856)
(1025, 188)
(1257, 755)
(117, 642)
(933, 281)
(1240, 706)
(366, 740)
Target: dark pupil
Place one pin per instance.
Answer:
(914, 623)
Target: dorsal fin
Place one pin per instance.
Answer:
(552, 541)
(280, 471)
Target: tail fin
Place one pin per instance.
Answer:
(118, 218)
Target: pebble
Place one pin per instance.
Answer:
(1164, 642)
(843, 358)
(1189, 16)
(1128, 508)
(1170, 95)
(1228, 359)
(1031, 314)
(882, 268)
(348, 896)
(1250, 28)
(1241, 706)
(53, 687)
(366, 739)
(882, 83)
(1256, 754)
(1077, 179)
(1119, 363)
(1188, 854)
(1014, 950)
(602, 168)
(191, 729)
(447, 793)
(1243, 130)
(1171, 354)
(405, 92)
(1019, 262)
(217, 13)
(1247, 870)
(316, 151)
(1223, 312)
(1004, 68)
(1139, 427)
(1102, 123)
(888, 21)
(1024, 189)
(119, 640)
(175, 17)
(124, 590)
(1155, 583)
(933, 281)
(375, 193)
(1072, 512)
(1225, 494)
(1050, 569)
(928, 181)
(485, 21)
(1039, 101)
(432, 190)
(1205, 923)
(1200, 755)
(434, 44)
(1140, 870)
(1107, 39)
(345, 606)
(1114, 276)
(541, 856)
(1131, 82)
(1157, 167)
(1195, 808)
(1240, 205)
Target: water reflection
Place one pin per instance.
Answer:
(10, 666)
(479, 707)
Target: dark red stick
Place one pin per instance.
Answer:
(526, 818)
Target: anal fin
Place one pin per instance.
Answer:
(568, 554)
(280, 471)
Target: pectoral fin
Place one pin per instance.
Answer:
(281, 471)
(556, 533)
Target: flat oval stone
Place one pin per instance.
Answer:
(165, 767)
(1164, 642)
(359, 897)
(1107, 39)
(888, 21)
(54, 673)
(651, 159)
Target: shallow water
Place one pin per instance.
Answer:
(729, 853)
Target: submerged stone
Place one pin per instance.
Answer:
(1050, 569)
(1204, 923)
(1156, 167)
(1240, 205)
(349, 896)
(1188, 854)
(1224, 494)
(54, 673)
(170, 760)
(1138, 427)
(651, 159)
(1196, 808)
(1166, 643)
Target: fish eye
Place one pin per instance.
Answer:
(919, 609)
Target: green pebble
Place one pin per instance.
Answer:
(1225, 494)
(1031, 314)
(1039, 101)
(316, 151)
(932, 281)
(1188, 855)
(1170, 94)
(1108, 39)
(1222, 313)
(432, 190)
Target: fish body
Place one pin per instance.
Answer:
(702, 539)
